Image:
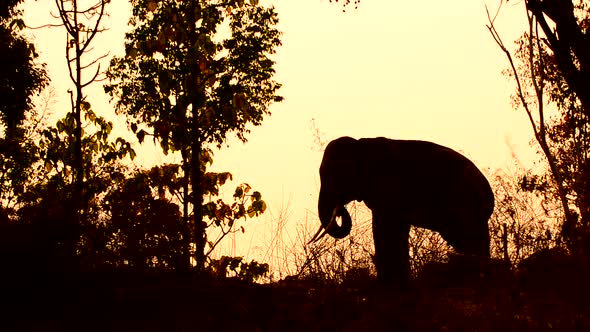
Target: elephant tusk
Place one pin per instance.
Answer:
(319, 236)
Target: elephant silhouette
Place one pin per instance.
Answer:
(404, 183)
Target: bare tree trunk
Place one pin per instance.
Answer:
(200, 234)
(197, 98)
(185, 259)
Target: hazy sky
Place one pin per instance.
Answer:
(401, 69)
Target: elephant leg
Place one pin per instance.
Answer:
(391, 250)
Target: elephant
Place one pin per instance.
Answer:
(405, 183)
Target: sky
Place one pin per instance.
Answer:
(426, 70)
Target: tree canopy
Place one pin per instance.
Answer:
(193, 73)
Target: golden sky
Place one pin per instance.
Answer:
(400, 69)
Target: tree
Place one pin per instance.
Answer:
(82, 25)
(78, 164)
(549, 69)
(20, 79)
(72, 163)
(51, 202)
(193, 73)
(22, 76)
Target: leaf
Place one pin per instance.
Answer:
(254, 2)
(241, 211)
(164, 82)
(206, 157)
(20, 23)
(262, 206)
(152, 6)
(222, 178)
(246, 187)
(140, 136)
(256, 196)
(85, 105)
(251, 212)
(257, 208)
(165, 147)
(89, 115)
(238, 101)
(235, 262)
(108, 127)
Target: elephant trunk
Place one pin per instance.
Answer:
(329, 212)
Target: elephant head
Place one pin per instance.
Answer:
(339, 185)
(404, 183)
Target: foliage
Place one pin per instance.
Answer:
(174, 80)
(147, 229)
(22, 77)
(236, 266)
(147, 224)
(524, 219)
(50, 202)
(57, 150)
(222, 215)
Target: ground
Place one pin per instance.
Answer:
(112, 301)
